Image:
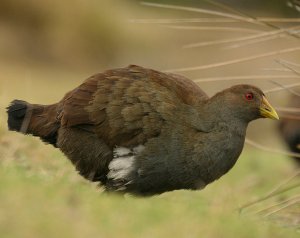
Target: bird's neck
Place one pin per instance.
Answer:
(234, 127)
(216, 113)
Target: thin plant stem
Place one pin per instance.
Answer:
(234, 61)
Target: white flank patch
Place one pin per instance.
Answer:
(120, 168)
(121, 151)
(123, 163)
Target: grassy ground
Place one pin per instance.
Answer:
(42, 196)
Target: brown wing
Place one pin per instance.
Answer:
(128, 106)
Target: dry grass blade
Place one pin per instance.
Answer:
(277, 69)
(226, 7)
(252, 37)
(277, 89)
(267, 24)
(297, 185)
(255, 41)
(244, 77)
(276, 191)
(276, 204)
(182, 20)
(235, 61)
(264, 148)
(290, 63)
(283, 207)
(287, 20)
(287, 66)
(288, 89)
(208, 20)
(200, 10)
(288, 109)
(212, 28)
(286, 181)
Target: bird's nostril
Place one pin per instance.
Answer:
(268, 109)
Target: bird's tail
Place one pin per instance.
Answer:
(34, 119)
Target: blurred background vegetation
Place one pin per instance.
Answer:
(49, 47)
(99, 33)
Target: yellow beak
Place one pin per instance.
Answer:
(266, 110)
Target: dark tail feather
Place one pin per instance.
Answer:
(16, 114)
(34, 119)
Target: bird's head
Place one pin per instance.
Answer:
(245, 102)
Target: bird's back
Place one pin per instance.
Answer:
(127, 106)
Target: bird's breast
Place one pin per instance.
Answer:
(219, 153)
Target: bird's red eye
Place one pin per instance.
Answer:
(249, 96)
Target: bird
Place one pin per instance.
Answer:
(289, 128)
(294, 4)
(139, 131)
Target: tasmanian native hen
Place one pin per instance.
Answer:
(140, 131)
(289, 127)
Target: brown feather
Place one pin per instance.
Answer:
(128, 103)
